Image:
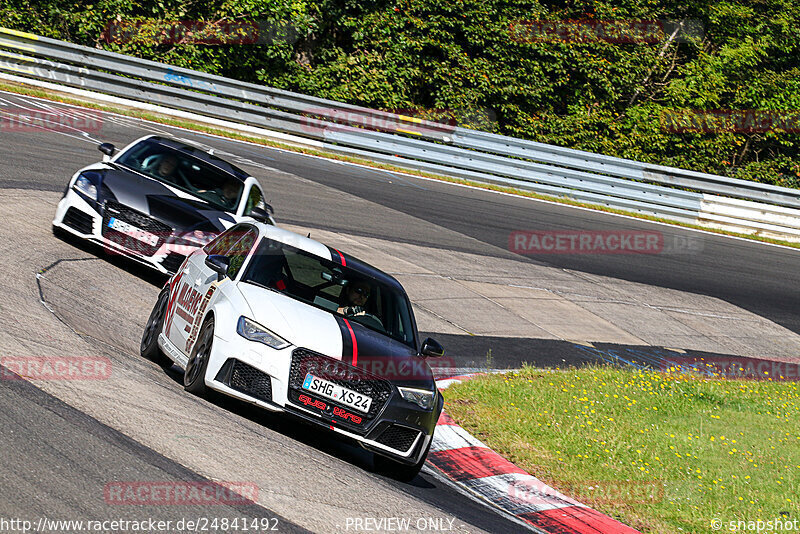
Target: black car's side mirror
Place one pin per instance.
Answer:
(219, 264)
(107, 148)
(431, 349)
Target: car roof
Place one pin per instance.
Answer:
(319, 249)
(201, 155)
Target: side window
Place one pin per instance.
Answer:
(238, 253)
(223, 242)
(255, 199)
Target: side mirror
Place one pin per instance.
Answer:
(260, 214)
(108, 149)
(431, 349)
(219, 264)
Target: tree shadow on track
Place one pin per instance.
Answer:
(119, 260)
(318, 437)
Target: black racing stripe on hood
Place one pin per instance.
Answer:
(349, 350)
(160, 202)
(382, 356)
(186, 214)
(336, 256)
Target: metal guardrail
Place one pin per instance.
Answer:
(414, 143)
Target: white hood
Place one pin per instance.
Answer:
(300, 324)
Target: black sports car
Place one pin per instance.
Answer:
(157, 200)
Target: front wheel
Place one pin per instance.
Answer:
(148, 348)
(397, 470)
(194, 378)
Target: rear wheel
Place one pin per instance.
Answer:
(194, 378)
(155, 323)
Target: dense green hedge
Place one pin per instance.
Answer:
(473, 60)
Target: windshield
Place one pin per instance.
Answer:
(185, 172)
(331, 287)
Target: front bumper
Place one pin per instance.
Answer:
(89, 221)
(393, 426)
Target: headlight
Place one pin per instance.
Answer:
(197, 238)
(86, 187)
(253, 331)
(421, 397)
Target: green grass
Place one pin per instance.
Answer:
(662, 452)
(231, 134)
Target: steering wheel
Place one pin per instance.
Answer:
(367, 319)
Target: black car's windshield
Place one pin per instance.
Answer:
(185, 172)
(332, 287)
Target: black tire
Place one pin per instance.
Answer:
(148, 347)
(195, 374)
(399, 471)
(60, 233)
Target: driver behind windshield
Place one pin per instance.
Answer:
(228, 193)
(354, 297)
(166, 166)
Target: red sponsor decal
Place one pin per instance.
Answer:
(344, 414)
(55, 368)
(171, 304)
(308, 401)
(180, 493)
(198, 317)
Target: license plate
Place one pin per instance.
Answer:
(133, 231)
(335, 392)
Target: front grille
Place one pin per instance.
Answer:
(251, 381)
(80, 221)
(173, 261)
(398, 437)
(305, 361)
(138, 220)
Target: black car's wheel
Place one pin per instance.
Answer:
(397, 470)
(195, 374)
(149, 345)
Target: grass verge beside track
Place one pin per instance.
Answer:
(198, 127)
(662, 452)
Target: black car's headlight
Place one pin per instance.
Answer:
(86, 186)
(421, 397)
(249, 329)
(196, 238)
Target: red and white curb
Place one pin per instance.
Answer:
(468, 462)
